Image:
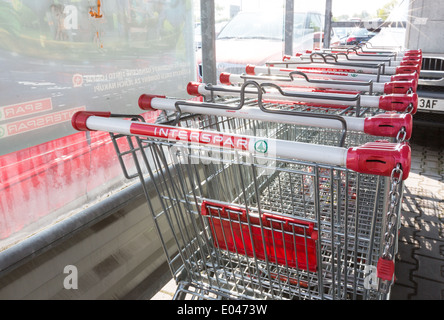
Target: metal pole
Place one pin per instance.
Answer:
(327, 27)
(289, 21)
(207, 13)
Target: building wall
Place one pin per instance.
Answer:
(426, 22)
(115, 258)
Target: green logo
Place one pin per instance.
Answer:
(353, 75)
(261, 146)
(2, 132)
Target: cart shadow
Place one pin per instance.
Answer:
(421, 240)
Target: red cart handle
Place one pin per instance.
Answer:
(389, 125)
(224, 78)
(407, 77)
(410, 60)
(413, 53)
(400, 87)
(78, 120)
(412, 63)
(380, 158)
(408, 68)
(399, 102)
(145, 101)
(412, 57)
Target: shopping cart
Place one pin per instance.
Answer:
(352, 56)
(368, 51)
(299, 79)
(337, 64)
(330, 72)
(271, 92)
(367, 122)
(258, 212)
(333, 64)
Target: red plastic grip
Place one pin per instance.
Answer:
(399, 102)
(407, 77)
(193, 88)
(399, 87)
(224, 78)
(412, 57)
(413, 53)
(296, 54)
(249, 69)
(389, 125)
(380, 158)
(78, 120)
(411, 63)
(385, 269)
(145, 101)
(410, 60)
(408, 69)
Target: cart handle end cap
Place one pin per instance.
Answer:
(289, 57)
(249, 69)
(417, 59)
(389, 125)
(380, 158)
(225, 78)
(412, 63)
(399, 102)
(408, 69)
(78, 120)
(413, 52)
(193, 88)
(145, 101)
(399, 87)
(410, 60)
(407, 77)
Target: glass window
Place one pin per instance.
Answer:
(315, 23)
(254, 26)
(59, 57)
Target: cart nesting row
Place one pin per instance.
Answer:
(277, 185)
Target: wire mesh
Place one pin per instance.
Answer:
(253, 227)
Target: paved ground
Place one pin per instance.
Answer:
(420, 261)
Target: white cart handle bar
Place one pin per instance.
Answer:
(333, 75)
(381, 125)
(391, 102)
(377, 158)
(358, 51)
(308, 81)
(355, 58)
(368, 68)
